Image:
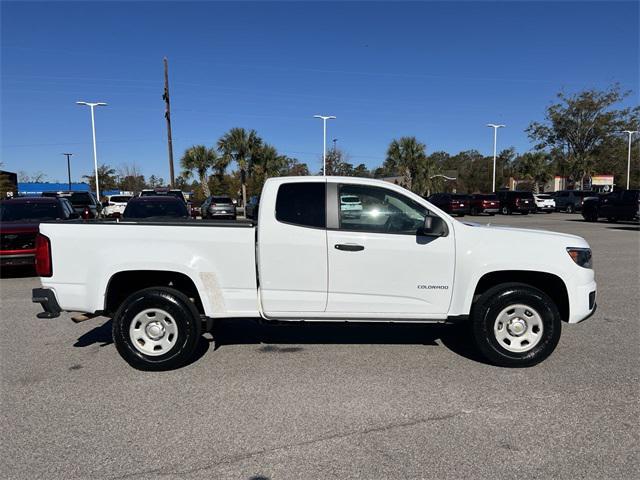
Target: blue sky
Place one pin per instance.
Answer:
(436, 70)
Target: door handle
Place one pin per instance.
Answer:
(349, 247)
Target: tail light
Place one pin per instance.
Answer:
(44, 268)
(517, 201)
(86, 213)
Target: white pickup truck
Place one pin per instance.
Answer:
(400, 259)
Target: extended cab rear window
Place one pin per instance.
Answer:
(302, 204)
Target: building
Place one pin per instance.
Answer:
(36, 188)
(8, 184)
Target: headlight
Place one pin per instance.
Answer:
(582, 256)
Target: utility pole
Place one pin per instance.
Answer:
(68, 168)
(167, 115)
(630, 133)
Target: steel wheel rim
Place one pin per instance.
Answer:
(153, 332)
(518, 328)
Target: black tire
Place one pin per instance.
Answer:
(612, 219)
(525, 212)
(177, 305)
(570, 208)
(461, 215)
(505, 210)
(486, 310)
(474, 211)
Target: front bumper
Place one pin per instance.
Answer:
(582, 304)
(47, 299)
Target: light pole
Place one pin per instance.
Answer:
(68, 167)
(630, 133)
(93, 129)
(495, 141)
(324, 140)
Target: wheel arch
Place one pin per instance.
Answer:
(548, 283)
(126, 282)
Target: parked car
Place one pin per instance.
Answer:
(219, 206)
(544, 202)
(114, 205)
(19, 219)
(516, 201)
(403, 260)
(484, 203)
(164, 191)
(570, 201)
(452, 203)
(251, 209)
(350, 206)
(618, 205)
(85, 203)
(155, 207)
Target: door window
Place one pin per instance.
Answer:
(379, 210)
(302, 203)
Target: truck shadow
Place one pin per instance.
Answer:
(456, 338)
(276, 338)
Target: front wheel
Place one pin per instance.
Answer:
(157, 328)
(570, 208)
(515, 325)
(506, 211)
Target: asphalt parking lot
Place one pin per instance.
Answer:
(330, 401)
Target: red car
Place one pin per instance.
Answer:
(484, 203)
(19, 220)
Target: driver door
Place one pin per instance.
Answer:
(378, 266)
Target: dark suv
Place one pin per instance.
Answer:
(452, 203)
(570, 201)
(484, 203)
(84, 203)
(619, 205)
(516, 201)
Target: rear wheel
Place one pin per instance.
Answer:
(157, 328)
(570, 208)
(506, 210)
(515, 325)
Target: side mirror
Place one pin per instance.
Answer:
(433, 227)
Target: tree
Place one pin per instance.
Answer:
(535, 166)
(199, 159)
(578, 125)
(106, 177)
(155, 181)
(407, 157)
(130, 178)
(36, 177)
(240, 146)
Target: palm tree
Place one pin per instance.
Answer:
(242, 146)
(200, 159)
(106, 177)
(536, 166)
(407, 156)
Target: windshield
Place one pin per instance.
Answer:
(155, 209)
(10, 212)
(221, 200)
(119, 199)
(544, 197)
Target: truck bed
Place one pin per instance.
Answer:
(217, 256)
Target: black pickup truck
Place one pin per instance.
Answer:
(618, 205)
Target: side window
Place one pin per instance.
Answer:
(629, 196)
(302, 203)
(378, 210)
